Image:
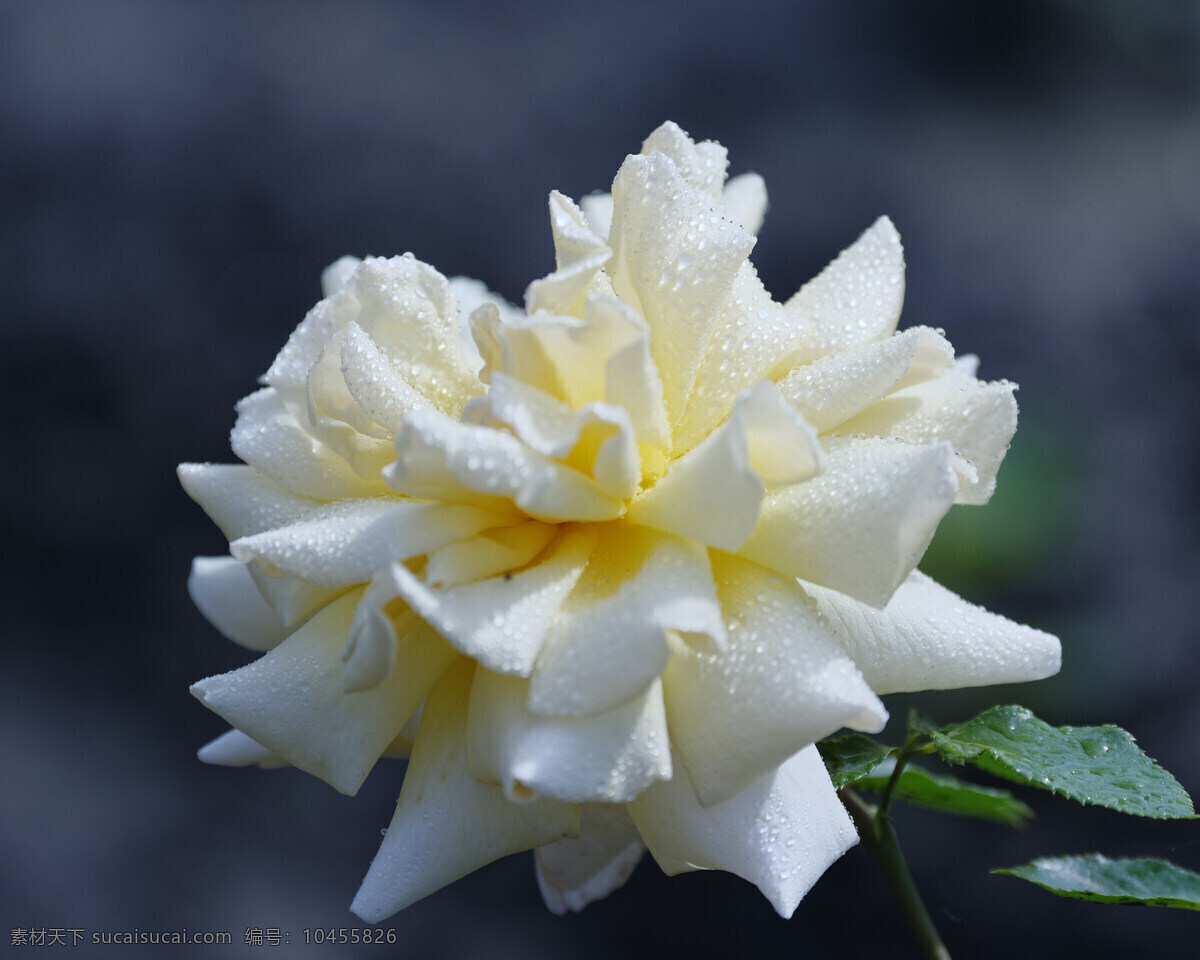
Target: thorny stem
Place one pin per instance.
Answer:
(879, 837)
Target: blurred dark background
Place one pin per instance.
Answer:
(173, 178)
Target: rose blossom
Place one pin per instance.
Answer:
(607, 567)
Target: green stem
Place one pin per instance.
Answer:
(879, 837)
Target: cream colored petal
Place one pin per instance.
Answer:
(269, 438)
(860, 526)
(833, 389)
(348, 541)
(927, 638)
(408, 310)
(239, 499)
(781, 833)
(609, 640)
(745, 199)
(447, 824)
(502, 622)
(335, 276)
(674, 260)
(290, 597)
(234, 749)
(598, 212)
(857, 298)
(572, 873)
(289, 371)
(375, 638)
(630, 376)
(291, 700)
(712, 494)
(608, 758)
(441, 458)
(469, 295)
(977, 418)
(337, 419)
(579, 254)
(224, 591)
(702, 165)
(782, 682)
(375, 382)
(597, 440)
(488, 554)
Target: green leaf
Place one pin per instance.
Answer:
(1097, 765)
(849, 757)
(948, 794)
(1143, 882)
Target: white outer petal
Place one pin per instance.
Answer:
(781, 833)
(864, 523)
(608, 758)
(571, 873)
(783, 681)
(234, 749)
(447, 823)
(239, 499)
(927, 638)
(224, 591)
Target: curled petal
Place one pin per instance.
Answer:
(492, 552)
(239, 499)
(441, 458)
(609, 641)
(608, 758)
(702, 165)
(782, 681)
(927, 638)
(335, 276)
(579, 254)
(831, 390)
(347, 542)
(598, 212)
(745, 199)
(977, 418)
(291, 700)
(781, 833)
(290, 597)
(225, 593)
(675, 260)
(447, 823)
(712, 494)
(860, 526)
(268, 436)
(573, 872)
(502, 622)
(234, 749)
(374, 382)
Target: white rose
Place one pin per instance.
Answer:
(609, 577)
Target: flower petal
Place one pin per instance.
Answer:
(978, 418)
(781, 833)
(440, 458)
(702, 165)
(745, 199)
(291, 700)
(598, 211)
(674, 260)
(833, 389)
(488, 554)
(783, 681)
(290, 597)
(239, 499)
(375, 382)
(571, 873)
(502, 622)
(861, 526)
(224, 591)
(335, 276)
(608, 758)
(609, 640)
(579, 255)
(857, 298)
(712, 494)
(447, 824)
(927, 638)
(348, 541)
(234, 749)
(270, 438)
